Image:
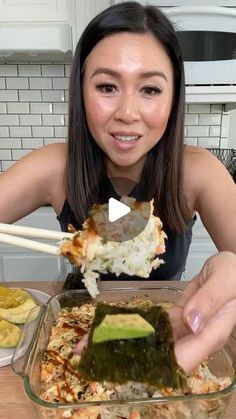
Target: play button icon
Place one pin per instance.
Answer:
(116, 210)
(124, 213)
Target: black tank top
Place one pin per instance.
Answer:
(177, 248)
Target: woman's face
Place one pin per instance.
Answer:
(128, 91)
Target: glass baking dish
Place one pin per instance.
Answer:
(28, 355)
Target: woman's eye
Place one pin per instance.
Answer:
(151, 90)
(106, 87)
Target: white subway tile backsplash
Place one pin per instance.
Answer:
(53, 70)
(53, 140)
(30, 96)
(32, 143)
(5, 154)
(2, 83)
(191, 141)
(60, 83)
(9, 120)
(191, 119)
(60, 132)
(225, 125)
(29, 70)
(17, 83)
(53, 120)
(40, 83)
(3, 107)
(210, 119)
(53, 96)
(208, 142)
(67, 70)
(8, 70)
(198, 131)
(30, 120)
(8, 96)
(20, 131)
(199, 108)
(18, 154)
(10, 143)
(42, 132)
(4, 132)
(67, 95)
(18, 107)
(215, 131)
(42, 108)
(60, 108)
(7, 164)
(34, 111)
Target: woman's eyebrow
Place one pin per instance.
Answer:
(113, 73)
(148, 74)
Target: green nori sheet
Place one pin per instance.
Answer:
(73, 280)
(148, 360)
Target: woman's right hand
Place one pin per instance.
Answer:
(205, 314)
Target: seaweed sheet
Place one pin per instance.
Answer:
(148, 360)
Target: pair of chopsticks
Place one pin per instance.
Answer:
(9, 234)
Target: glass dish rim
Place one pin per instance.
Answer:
(114, 403)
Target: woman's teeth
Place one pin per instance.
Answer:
(126, 138)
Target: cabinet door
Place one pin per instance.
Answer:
(19, 264)
(27, 266)
(85, 11)
(34, 10)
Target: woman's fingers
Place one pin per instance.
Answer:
(193, 348)
(214, 287)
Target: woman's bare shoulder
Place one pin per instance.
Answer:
(51, 161)
(38, 179)
(211, 191)
(197, 159)
(56, 151)
(205, 178)
(195, 152)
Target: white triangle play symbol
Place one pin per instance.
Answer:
(116, 210)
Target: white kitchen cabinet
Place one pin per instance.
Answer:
(19, 264)
(36, 30)
(35, 10)
(85, 11)
(76, 13)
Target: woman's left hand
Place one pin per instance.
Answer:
(205, 314)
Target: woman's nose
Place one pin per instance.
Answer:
(127, 109)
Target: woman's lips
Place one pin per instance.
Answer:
(125, 142)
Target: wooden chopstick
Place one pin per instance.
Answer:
(29, 244)
(34, 232)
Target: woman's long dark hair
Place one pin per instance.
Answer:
(162, 176)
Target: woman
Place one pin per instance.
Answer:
(126, 118)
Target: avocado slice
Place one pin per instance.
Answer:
(18, 314)
(12, 297)
(122, 326)
(9, 334)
